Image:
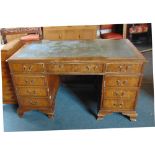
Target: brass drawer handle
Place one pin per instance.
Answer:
(29, 82)
(125, 68)
(31, 92)
(125, 82)
(95, 67)
(33, 102)
(118, 94)
(88, 68)
(121, 83)
(118, 82)
(60, 36)
(79, 36)
(122, 68)
(60, 66)
(128, 67)
(118, 104)
(29, 69)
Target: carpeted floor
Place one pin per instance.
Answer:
(76, 108)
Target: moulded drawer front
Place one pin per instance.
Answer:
(74, 68)
(121, 81)
(118, 104)
(29, 80)
(34, 102)
(27, 68)
(123, 68)
(120, 93)
(32, 91)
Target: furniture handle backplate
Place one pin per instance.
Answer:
(60, 36)
(31, 92)
(121, 83)
(88, 68)
(33, 102)
(29, 81)
(118, 104)
(118, 94)
(29, 69)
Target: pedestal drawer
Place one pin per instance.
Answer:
(129, 93)
(20, 80)
(32, 91)
(34, 102)
(118, 104)
(121, 81)
(123, 68)
(27, 68)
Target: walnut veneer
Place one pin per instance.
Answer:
(36, 67)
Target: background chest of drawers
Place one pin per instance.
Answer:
(69, 32)
(9, 95)
(120, 88)
(35, 91)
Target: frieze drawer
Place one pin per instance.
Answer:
(118, 104)
(123, 68)
(74, 68)
(32, 91)
(121, 81)
(120, 93)
(20, 80)
(27, 68)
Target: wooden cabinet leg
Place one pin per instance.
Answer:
(20, 112)
(131, 114)
(50, 116)
(102, 114)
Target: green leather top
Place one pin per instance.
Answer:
(77, 48)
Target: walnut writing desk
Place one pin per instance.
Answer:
(35, 70)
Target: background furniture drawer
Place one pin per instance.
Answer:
(9, 97)
(82, 68)
(123, 68)
(118, 104)
(71, 35)
(120, 93)
(32, 91)
(121, 81)
(87, 34)
(34, 102)
(20, 80)
(27, 68)
(53, 34)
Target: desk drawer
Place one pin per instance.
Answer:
(27, 68)
(34, 102)
(121, 81)
(20, 80)
(32, 91)
(74, 68)
(123, 68)
(129, 93)
(118, 104)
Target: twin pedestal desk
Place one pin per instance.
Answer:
(36, 67)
